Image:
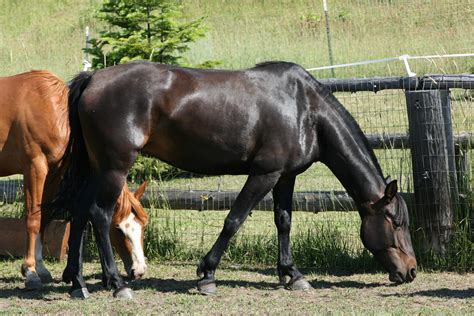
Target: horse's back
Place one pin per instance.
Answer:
(206, 121)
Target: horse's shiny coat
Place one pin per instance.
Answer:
(271, 122)
(34, 131)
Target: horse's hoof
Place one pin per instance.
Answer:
(81, 293)
(282, 282)
(32, 282)
(299, 284)
(123, 292)
(206, 287)
(46, 277)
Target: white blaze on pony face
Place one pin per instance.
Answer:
(133, 231)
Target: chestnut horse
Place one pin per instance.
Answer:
(270, 122)
(34, 131)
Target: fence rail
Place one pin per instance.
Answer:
(428, 82)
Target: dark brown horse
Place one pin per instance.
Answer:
(270, 122)
(34, 131)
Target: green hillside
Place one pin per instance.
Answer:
(50, 34)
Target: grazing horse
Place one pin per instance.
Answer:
(270, 122)
(34, 131)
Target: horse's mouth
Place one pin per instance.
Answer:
(397, 277)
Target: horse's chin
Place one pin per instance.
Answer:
(396, 277)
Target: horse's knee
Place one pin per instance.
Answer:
(231, 226)
(33, 221)
(283, 220)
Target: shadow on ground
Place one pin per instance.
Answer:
(440, 293)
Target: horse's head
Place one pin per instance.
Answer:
(385, 233)
(127, 231)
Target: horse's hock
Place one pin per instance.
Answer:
(13, 238)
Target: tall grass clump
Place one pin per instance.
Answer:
(322, 244)
(459, 254)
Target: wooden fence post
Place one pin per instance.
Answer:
(434, 174)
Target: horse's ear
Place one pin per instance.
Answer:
(391, 190)
(141, 190)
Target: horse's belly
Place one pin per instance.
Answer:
(9, 164)
(199, 155)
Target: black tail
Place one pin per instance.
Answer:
(74, 165)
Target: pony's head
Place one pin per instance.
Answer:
(384, 232)
(127, 231)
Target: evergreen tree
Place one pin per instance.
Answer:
(143, 30)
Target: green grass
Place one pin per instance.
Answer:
(171, 289)
(361, 30)
(50, 34)
(324, 240)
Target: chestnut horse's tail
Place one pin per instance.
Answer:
(74, 165)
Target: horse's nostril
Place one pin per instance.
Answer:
(413, 273)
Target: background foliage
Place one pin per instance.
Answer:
(50, 34)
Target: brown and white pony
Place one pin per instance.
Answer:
(34, 131)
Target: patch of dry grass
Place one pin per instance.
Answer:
(170, 289)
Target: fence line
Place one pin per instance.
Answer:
(403, 58)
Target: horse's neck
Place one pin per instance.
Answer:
(349, 158)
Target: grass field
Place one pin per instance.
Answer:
(170, 289)
(50, 34)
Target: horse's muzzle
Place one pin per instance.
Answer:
(399, 278)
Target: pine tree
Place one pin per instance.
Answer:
(143, 30)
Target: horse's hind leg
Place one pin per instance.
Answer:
(253, 191)
(73, 271)
(282, 199)
(97, 203)
(33, 180)
(101, 212)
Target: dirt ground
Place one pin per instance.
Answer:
(170, 289)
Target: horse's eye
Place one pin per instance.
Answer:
(392, 221)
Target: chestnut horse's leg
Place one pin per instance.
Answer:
(41, 270)
(283, 200)
(253, 191)
(33, 181)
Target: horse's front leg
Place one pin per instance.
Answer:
(253, 191)
(283, 199)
